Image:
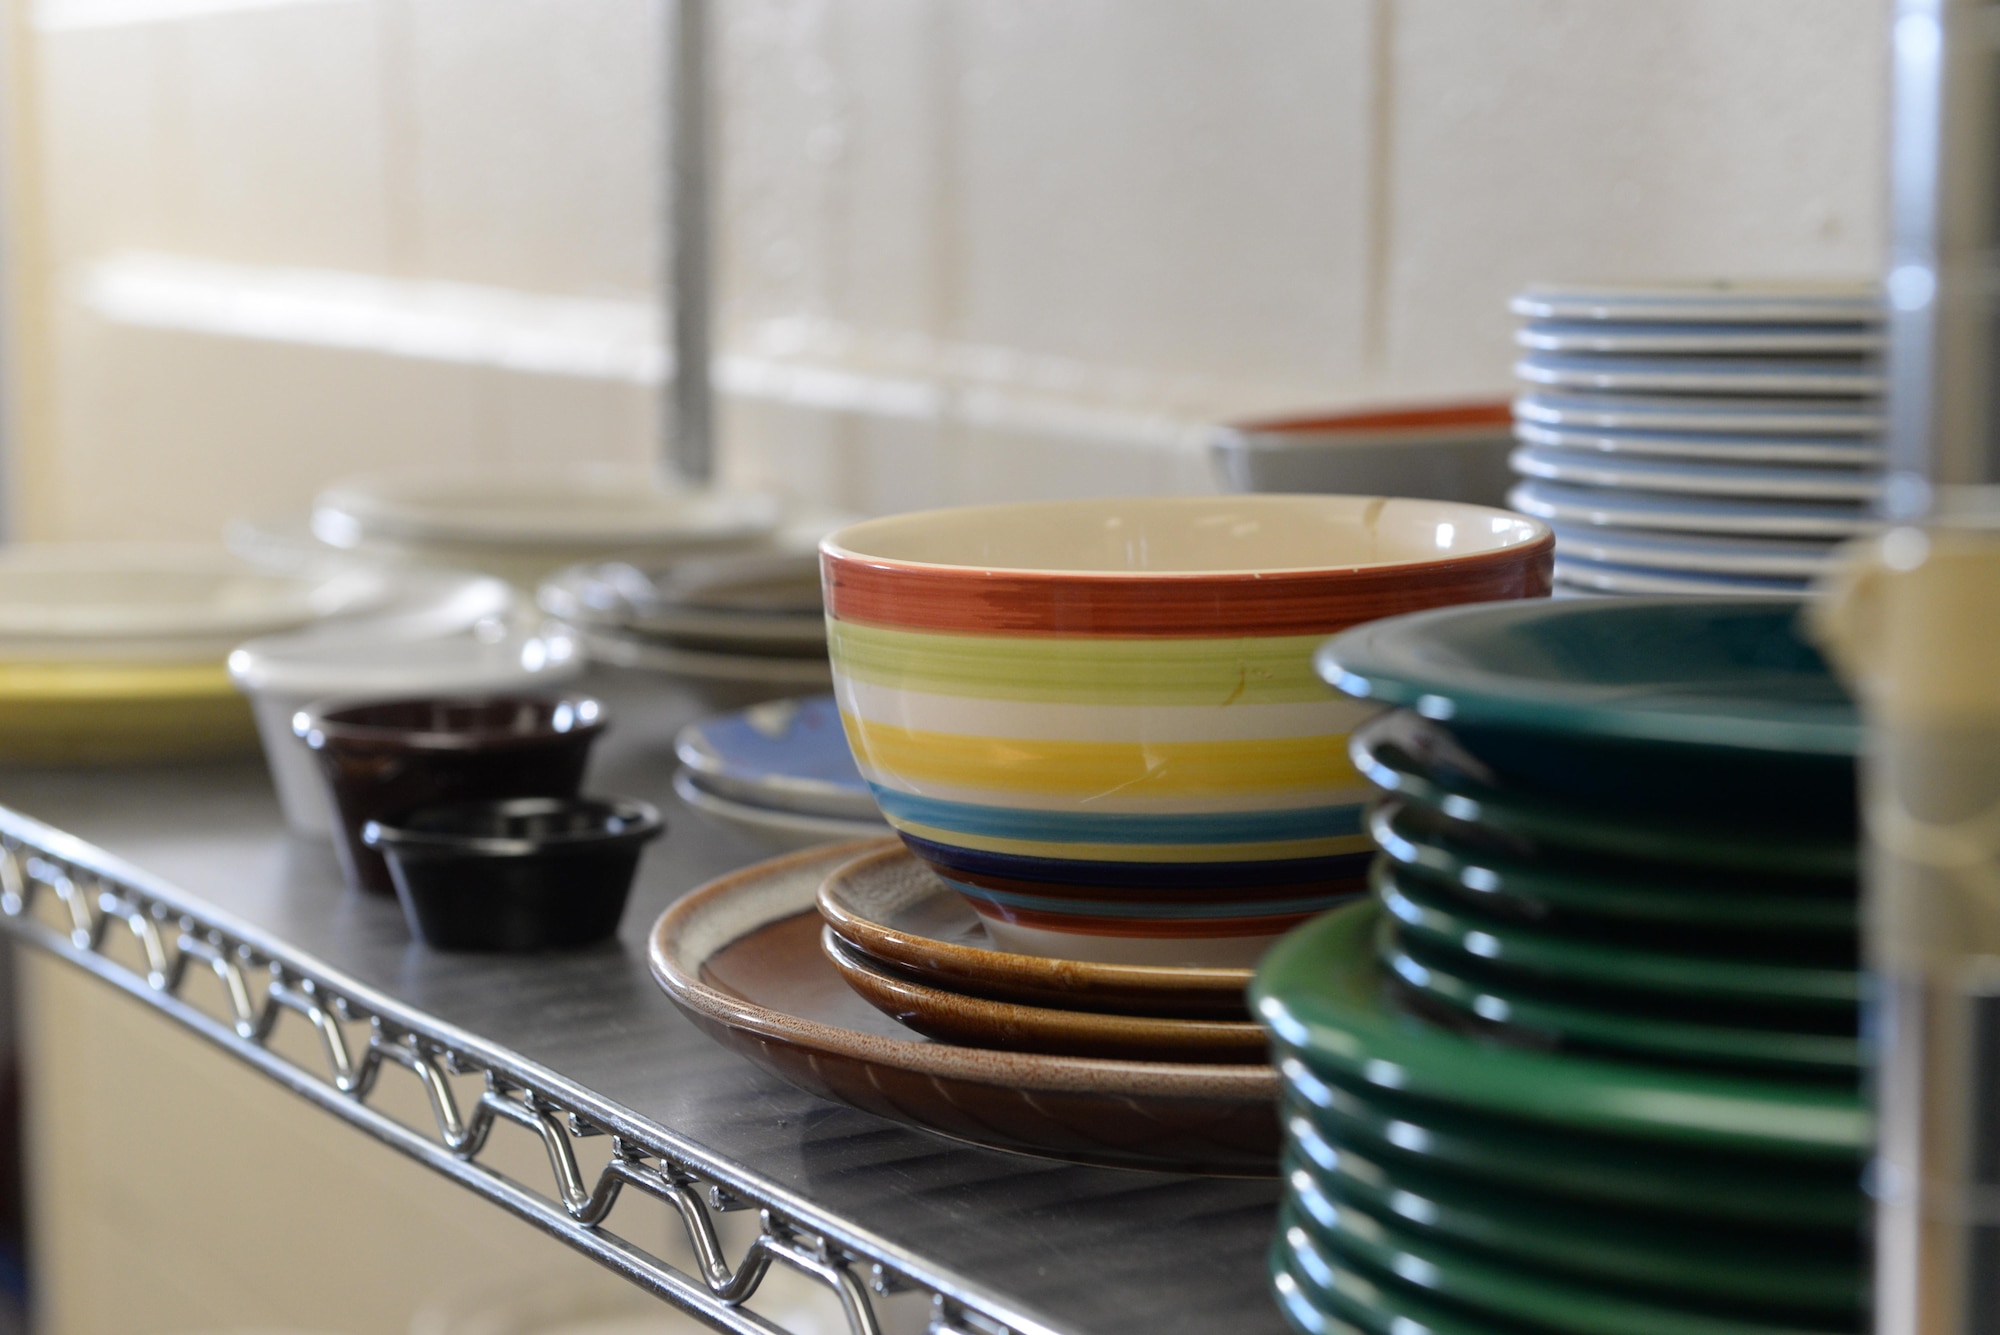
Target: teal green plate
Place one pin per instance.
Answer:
(1726, 673)
(1319, 991)
(1683, 902)
(1383, 1277)
(1564, 826)
(1488, 1152)
(1613, 1247)
(1425, 912)
(1635, 1036)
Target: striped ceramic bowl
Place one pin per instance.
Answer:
(1098, 720)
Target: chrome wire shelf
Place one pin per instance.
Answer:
(77, 903)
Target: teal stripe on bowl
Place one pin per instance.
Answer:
(1090, 908)
(1114, 827)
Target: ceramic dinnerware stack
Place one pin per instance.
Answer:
(779, 773)
(908, 945)
(114, 652)
(748, 623)
(1587, 1058)
(525, 525)
(1097, 720)
(1698, 439)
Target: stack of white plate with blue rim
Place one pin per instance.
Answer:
(1699, 439)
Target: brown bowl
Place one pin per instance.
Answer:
(381, 760)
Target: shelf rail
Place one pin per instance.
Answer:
(100, 905)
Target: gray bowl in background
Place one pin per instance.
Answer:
(1435, 451)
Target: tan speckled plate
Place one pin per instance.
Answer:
(895, 911)
(741, 956)
(952, 1017)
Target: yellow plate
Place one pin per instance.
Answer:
(120, 713)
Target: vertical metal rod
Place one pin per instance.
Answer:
(1936, 1175)
(687, 453)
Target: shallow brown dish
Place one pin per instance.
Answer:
(741, 957)
(953, 1017)
(894, 910)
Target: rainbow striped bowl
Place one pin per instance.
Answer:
(1098, 720)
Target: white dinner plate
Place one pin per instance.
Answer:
(91, 602)
(1738, 449)
(1767, 558)
(1766, 340)
(1831, 376)
(582, 507)
(1716, 302)
(757, 604)
(1555, 503)
(779, 830)
(1600, 578)
(1639, 412)
(1685, 478)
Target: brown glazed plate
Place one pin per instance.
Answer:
(952, 1017)
(896, 912)
(741, 956)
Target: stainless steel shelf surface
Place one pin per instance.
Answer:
(171, 880)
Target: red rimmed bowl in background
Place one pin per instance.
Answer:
(1098, 720)
(1450, 451)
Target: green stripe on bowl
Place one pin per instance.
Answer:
(1080, 669)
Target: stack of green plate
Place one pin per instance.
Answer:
(1588, 1060)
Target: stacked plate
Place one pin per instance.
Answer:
(525, 525)
(779, 773)
(1715, 439)
(1587, 1061)
(913, 948)
(749, 620)
(115, 652)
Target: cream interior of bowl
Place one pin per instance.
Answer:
(1189, 535)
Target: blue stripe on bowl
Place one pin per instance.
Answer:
(1141, 875)
(1110, 827)
(1087, 908)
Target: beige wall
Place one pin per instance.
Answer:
(971, 247)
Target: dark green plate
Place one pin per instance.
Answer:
(1426, 912)
(1379, 1276)
(1392, 768)
(1691, 901)
(1491, 1153)
(1319, 992)
(1613, 1247)
(1733, 675)
(1621, 1033)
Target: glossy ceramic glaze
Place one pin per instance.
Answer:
(1436, 451)
(980, 1022)
(895, 909)
(565, 507)
(1097, 720)
(1697, 477)
(384, 759)
(526, 874)
(733, 604)
(1720, 301)
(1650, 711)
(1719, 446)
(790, 755)
(1583, 409)
(1831, 376)
(741, 956)
(1652, 899)
(1320, 993)
(1781, 558)
(1558, 503)
(773, 828)
(1692, 338)
(370, 661)
(1604, 577)
(1394, 753)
